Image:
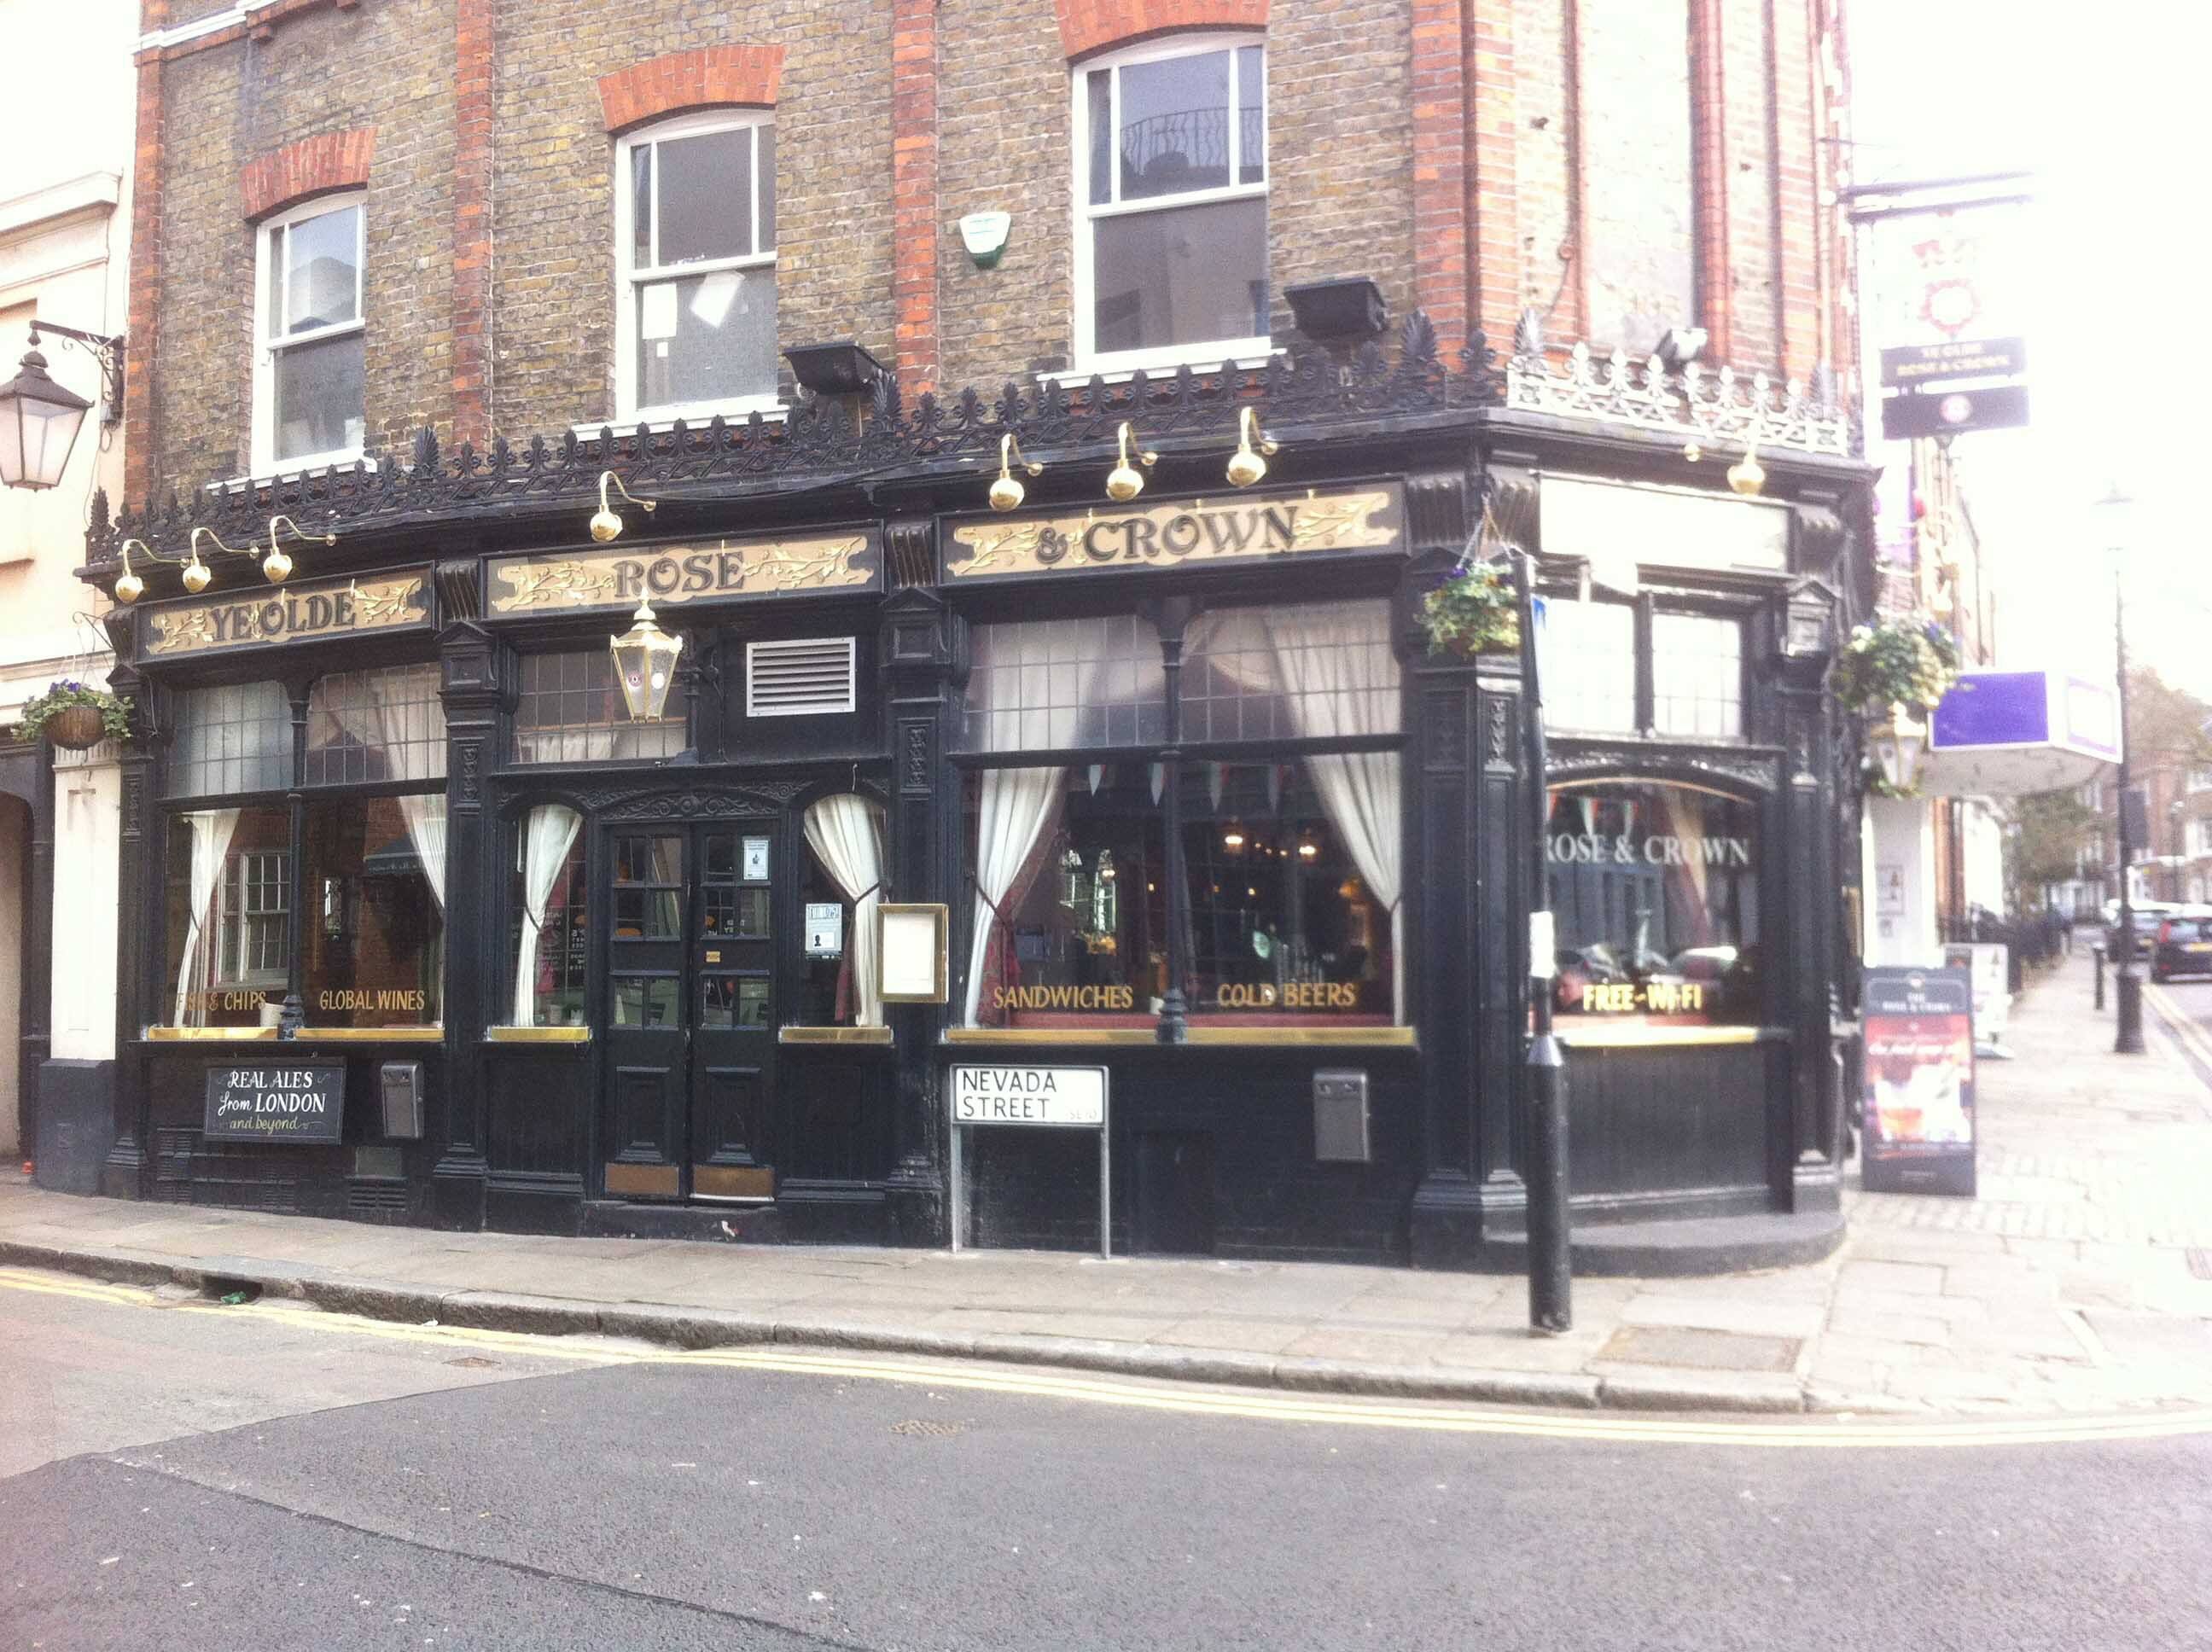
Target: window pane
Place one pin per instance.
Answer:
(706, 197)
(1291, 915)
(708, 338)
(374, 936)
(1251, 115)
(226, 917)
(322, 270)
(641, 206)
(1099, 97)
(1068, 925)
(231, 739)
(1586, 657)
(764, 139)
(1697, 675)
(1181, 276)
(642, 1001)
(1298, 671)
(569, 711)
(548, 928)
(1043, 685)
(319, 390)
(1175, 125)
(1655, 893)
(383, 725)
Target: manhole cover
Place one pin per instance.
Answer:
(2200, 1263)
(1702, 1350)
(928, 1431)
(474, 1363)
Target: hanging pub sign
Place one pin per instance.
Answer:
(1182, 533)
(1947, 318)
(1916, 1130)
(672, 575)
(294, 613)
(276, 1101)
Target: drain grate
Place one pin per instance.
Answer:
(1702, 1350)
(474, 1363)
(2200, 1263)
(928, 1431)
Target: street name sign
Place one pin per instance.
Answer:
(1063, 1098)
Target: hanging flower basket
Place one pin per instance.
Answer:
(1474, 611)
(1907, 660)
(76, 716)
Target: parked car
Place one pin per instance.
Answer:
(2148, 915)
(2182, 945)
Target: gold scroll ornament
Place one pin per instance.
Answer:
(326, 610)
(680, 573)
(1192, 533)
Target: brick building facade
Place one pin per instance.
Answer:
(1349, 292)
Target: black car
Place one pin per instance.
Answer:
(2182, 946)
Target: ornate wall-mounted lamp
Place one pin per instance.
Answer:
(40, 419)
(605, 524)
(1245, 465)
(644, 664)
(1007, 492)
(1125, 482)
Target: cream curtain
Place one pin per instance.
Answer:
(212, 830)
(1341, 679)
(409, 729)
(1015, 807)
(548, 834)
(847, 832)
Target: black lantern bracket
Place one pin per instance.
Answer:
(107, 351)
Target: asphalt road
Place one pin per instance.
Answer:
(2184, 1009)
(263, 1477)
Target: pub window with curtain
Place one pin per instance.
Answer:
(1292, 858)
(369, 886)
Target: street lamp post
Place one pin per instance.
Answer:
(2128, 1037)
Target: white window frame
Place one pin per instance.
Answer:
(629, 411)
(232, 930)
(267, 346)
(1089, 359)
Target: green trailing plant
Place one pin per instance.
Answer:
(1474, 611)
(114, 709)
(1907, 660)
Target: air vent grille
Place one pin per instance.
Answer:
(801, 677)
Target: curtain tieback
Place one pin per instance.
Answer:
(867, 892)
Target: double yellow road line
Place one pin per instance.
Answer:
(2177, 1022)
(1439, 1417)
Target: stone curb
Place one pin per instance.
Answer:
(673, 1326)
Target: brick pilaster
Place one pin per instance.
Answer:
(1442, 276)
(1708, 125)
(1492, 180)
(143, 339)
(472, 229)
(913, 192)
(1797, 213)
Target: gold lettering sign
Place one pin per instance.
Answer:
(372, 997)
(1647, 997)
(1064, 997)
(1291, 995)
(219, 1001)
(290, 614)
(682, 573)
(1187, 533)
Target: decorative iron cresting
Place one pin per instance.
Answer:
(1691, 403)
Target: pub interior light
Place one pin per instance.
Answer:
(1125, 482)
(644, 664)
(1007, 492)
(1245, 465)
(605, 524)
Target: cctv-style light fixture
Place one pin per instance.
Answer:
(605, 524)
(1125, 482)
(39, 418)
(645, 663)
(1245, 465)
(1007, 492)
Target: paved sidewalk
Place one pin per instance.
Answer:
(2065, 1287)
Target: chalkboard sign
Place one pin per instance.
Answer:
(275, 1101)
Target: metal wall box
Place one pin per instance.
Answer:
(399, 1083)
(1339, 1096)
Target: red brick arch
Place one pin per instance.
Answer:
(1089, 26)
(711, 76)
(313, 166)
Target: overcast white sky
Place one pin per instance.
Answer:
(2108, 104)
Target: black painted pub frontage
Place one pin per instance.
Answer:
(1201, 804)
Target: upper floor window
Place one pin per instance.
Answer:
(309, 378)
(695, 240)
(1618, 667)
(1171, 192)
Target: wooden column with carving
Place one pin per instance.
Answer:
(924, 659)
(473, 689)
(123, 1173)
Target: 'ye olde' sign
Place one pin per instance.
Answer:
(684, 574)
(332, 608)
(269, 1101)
(1189, 533)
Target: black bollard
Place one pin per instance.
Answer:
(2097, 952)
(1551, 1271)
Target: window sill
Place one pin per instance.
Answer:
(833, 1035)
(291, 471)
(1246, 355)
(1646, 1036)
(1243, 1037)
(537, 1035)
(305, 1034)
(661, 420)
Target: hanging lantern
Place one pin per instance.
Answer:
(1898, 747)
(645, 665)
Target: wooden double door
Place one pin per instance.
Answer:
(691, 1018)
